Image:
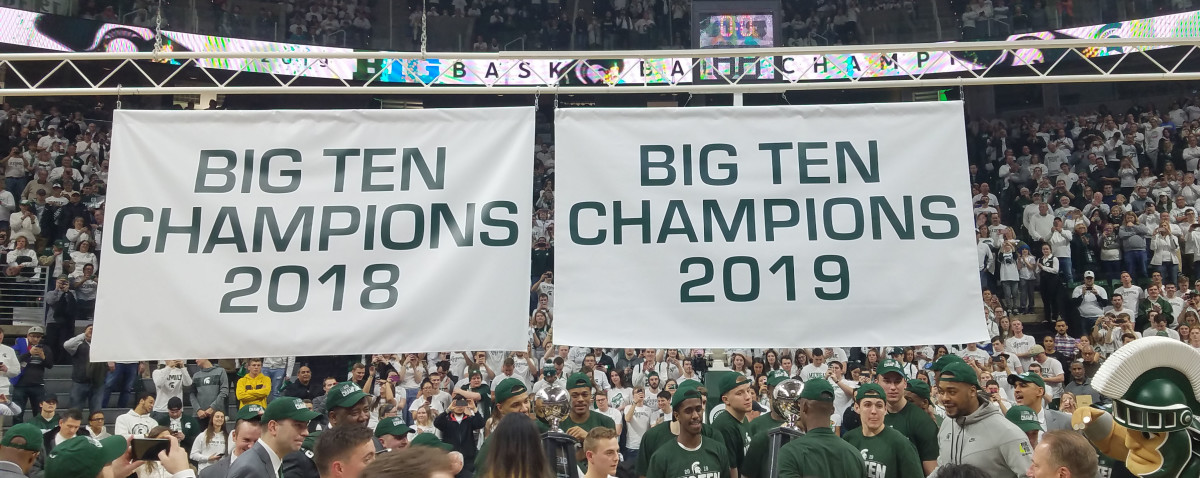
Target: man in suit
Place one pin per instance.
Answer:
(69, 425)
(245, 435)
(19, 449)
(1030, 390)
(284, 426)
(347, 405)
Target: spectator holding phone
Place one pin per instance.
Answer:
(211, 446)
(459, 424)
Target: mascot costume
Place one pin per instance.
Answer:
(1154, 383)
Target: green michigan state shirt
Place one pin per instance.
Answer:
(735, 436)
(672, 460)
(914, 423)
(820, 453)
(888, 454)
(660, 435)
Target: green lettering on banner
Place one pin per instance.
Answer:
(508, 225)
(949, 219)
(776, 167)
(805, 161)
(302, 220)
(729, 230)
(676, 208)
(327, 228)
(664, 164)
(880, 207)
(846, 150)
(119, 228)
(842, 277)
(730, 169)
(601, 234)
(206, 169)
(620, 221)
(340, 155)
(229, 215)
(385, 233)
(192, 230)
(769, 221)
(441, 214)
(855, 207)
(434, 179)
(369, 168)
(264, 169)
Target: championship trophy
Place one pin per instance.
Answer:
(552, 404)
(785, 401)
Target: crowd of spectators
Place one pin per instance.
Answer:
(1089, 215)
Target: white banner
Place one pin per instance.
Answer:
(277, 233)
(764, 227)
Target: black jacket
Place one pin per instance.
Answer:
(302, 391)
(460, 434)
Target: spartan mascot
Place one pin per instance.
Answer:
(1154, 383)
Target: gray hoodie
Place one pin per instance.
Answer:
(987, 440)
(210, 388)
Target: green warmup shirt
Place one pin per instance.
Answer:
(820, 453)
(660, 434)
(672, 460)
(914, 423)
(888, 454)
(764, 422)
(733, 433)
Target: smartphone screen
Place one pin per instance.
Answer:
(148, 448)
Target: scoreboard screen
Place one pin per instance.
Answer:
(737, 30)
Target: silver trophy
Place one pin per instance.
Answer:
(786, 401)
(552, 404)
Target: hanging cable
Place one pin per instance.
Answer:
(424, 28)
(118, 96)
(158, 30)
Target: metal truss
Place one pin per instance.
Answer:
(765, 70)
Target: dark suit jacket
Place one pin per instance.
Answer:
(255, 463)
(220, 469)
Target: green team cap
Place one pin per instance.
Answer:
(817, 389)
(777, 373)
(509, 388)
(732, 381)
(429, 440)
(947, 359)
(920, 388)
(889, 365)
(1027, 377)
(579, 380)
(1024, 418)
(681, 395)
(392, 426)
(549, 370)
(870, 390)
(776, 379)
(960, 373)
(652, 374)
(253, 411)
(83, 456)
(343, 395)
(285, 408)
(30, 435)
(896, 351)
